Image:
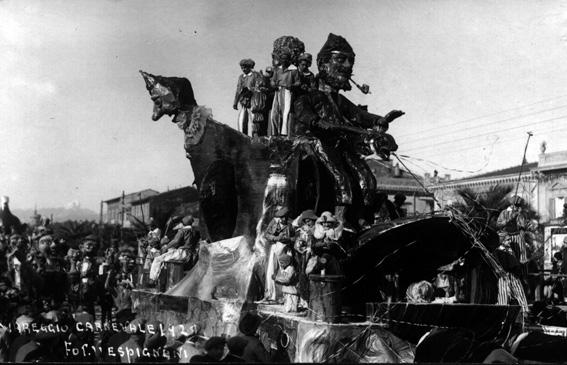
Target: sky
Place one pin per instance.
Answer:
(472, 76)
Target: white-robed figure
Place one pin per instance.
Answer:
(278, 235)
(248, 83)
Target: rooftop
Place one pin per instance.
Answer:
(140, 195)
(502, 172)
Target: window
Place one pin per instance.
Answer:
(558, 202)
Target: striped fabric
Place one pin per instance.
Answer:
(518, 245)
(510, 287)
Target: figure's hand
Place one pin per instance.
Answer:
(273, 276)
(235, 107)
(365, 89)
(394, 114)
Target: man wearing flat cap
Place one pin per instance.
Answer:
(339, 125)
(248, 82)
(278, 235)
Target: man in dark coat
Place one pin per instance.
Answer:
(339, 125)
(89, 274)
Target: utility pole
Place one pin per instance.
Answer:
(530, 134)
(141, 207)
(100, 218)
(123, 201)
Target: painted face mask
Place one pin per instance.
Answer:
(337, 71)
(164, 100)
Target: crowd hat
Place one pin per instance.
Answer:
(90, 238)
(307, 214)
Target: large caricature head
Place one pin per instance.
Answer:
(169, 94)
(335, 62)
(290, 45)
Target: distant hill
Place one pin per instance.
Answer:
(61, 214)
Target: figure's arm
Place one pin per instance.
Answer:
(312, 265)
(338, 232)
(295, 81)
(238, 91)
(175, 242)
(285, 277)
(274, 82)
(304, 112)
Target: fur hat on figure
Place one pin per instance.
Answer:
(247, 62)
(335, 43)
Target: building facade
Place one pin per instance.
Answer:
(143, 205)
(392, 180)
(120, 210)
(543, 184)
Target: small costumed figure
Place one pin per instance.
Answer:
(279, 235)
(287, 278)
(303, 242)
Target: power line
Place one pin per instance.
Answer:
(486, 134)
(493, 114)
(437, 165)
(507, 139)
(491, 123)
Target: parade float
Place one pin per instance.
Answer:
(242, 182)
